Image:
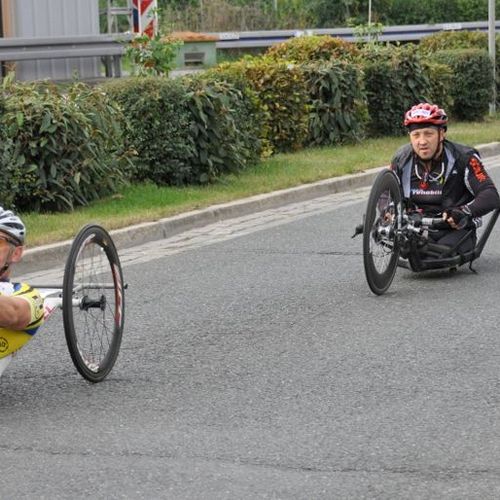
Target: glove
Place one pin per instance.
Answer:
(461, 217)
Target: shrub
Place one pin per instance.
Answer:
(281, 89)
(422, 11)
(188, 130)
(153, 56)
(217, 109)
(440, 81)
(313, 48)
(11, 171)
(60, 150)
(472, 84)
(250, 115)
(395, 79)
(448, 40)
(159, 127)
(336, 102)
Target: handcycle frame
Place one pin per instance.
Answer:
(440, 256)
(390, 229)
(93, 310)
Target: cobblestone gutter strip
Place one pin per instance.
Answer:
(52, 255)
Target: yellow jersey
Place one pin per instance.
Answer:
(12, 340)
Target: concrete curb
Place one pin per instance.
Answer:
(54, 254)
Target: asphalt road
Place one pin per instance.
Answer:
(256, 363)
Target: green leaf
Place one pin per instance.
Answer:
(20, 119)
(46, 121)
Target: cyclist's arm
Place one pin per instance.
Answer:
(23, 310)
(486, 196)
(15, 312)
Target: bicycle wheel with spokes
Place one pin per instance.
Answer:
(93, 303)
(380, 245)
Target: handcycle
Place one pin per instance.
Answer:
(92, 300)
(395, 236)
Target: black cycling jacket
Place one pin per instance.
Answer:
(466, 180)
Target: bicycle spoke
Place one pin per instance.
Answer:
(93, 331)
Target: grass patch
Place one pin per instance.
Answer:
(147, 202)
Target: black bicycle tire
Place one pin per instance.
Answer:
(380, 282)
(95, 234)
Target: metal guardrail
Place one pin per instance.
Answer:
(406, 33)
(110, 47)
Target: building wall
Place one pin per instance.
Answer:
(44, 18)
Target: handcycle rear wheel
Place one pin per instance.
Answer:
(380, 244)
(93, 303)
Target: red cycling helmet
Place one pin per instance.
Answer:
(426, 114)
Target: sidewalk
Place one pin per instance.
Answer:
(54, 254)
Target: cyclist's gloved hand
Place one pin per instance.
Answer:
(458, 217)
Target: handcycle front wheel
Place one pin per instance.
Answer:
(93, 304)
(380, 243)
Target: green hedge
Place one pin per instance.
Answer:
(306, 49)
(10, 163)
(59, 150)
(282, 92)
(159, 127)
(188, 130)
(472, 83)
(217, 109)
(440, 81)
(395, 79)
(250, 114)
(449, 40)
(337, 110)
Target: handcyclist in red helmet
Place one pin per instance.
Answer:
(443, 178)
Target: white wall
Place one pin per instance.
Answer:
(42, 18)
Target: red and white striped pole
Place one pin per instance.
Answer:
(145, 17)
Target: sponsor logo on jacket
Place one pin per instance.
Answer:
(477, 169)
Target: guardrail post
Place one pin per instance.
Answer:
(117, 66)
(492, 51)
(108, 68)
